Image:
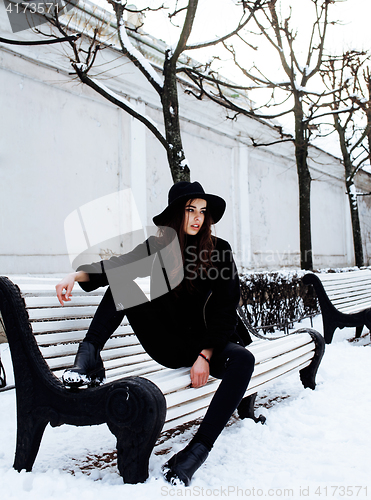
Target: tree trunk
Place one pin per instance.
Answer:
(356, 226)
(367, 77)
(351, 192)
(169, 98)
(304, 180)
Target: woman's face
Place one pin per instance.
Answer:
(194, 216)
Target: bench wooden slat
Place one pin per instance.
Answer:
(200, 412)
(77, 300)
(61, 312)
(354, 287)
(60, 326)
(361, 303)
(44, 339)
(263, 373)
(130, 360)
(179, 415)
(341, 296)
(341, 284)
(184, 419)
(133, 355)
(355, 308)
(190, 406)
(141, 368)
(177, 399)
(263, 349)
(333, 284)
(257, 380)
(349, 294)
(120, 354)
(111, 348)
(264, 381)
(48, 289)
(285, 358)
(345, 276)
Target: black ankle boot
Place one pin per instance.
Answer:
(181, 467)
(88, 368)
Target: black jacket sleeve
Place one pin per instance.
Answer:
(220, 313)
(142, 256)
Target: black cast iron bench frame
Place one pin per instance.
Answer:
(345, 300)
(134, 407)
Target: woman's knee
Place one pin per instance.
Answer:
(246, 361)
(240, 359)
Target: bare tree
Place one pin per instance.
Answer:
(297, 98)
(349, 79)
(363, 99)
(84, 55)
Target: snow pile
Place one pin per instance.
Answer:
(313, 442)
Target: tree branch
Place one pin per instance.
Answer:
(119, 102)
(256, 145)
(212, 79)
(241, 25)
(71, 38)
(264, 81)
(186, 31)
(222, 100)
(322, 38)
(135, 56)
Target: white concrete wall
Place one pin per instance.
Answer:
(274, 210)
(62, 145)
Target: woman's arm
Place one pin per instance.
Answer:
(133, 264)
(200, 370)
(220, 309)
(64, 287)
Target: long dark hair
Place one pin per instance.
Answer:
(202, 243)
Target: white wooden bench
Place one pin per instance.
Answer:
(58, 330)
(345, 299)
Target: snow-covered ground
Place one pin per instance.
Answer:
(315, 444)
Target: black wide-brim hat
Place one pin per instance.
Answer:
(182, 191)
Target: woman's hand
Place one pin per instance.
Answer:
(64, 287)
(200, 370)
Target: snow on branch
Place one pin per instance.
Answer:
(139, 60)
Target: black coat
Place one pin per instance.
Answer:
(206, 314)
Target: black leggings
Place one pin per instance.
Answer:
(164, 340)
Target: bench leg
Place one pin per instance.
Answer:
(246, 409)
(359, 330)
(30, 431)
(328, 330)
(368, 320)
(308, 374)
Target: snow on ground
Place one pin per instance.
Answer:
(315, 444)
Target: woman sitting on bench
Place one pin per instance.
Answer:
(191, 324)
